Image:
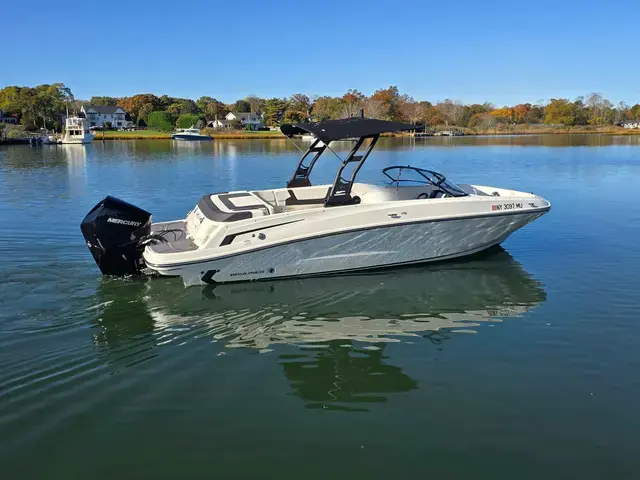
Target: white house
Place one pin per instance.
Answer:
(9, 119)
(631, 124)
(97, 116)
(252, 120)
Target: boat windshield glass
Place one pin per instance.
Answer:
(408, 174)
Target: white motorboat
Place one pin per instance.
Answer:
(190, 134)
(310, 138)
(76, 131)
(308, 230)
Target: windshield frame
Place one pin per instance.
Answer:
(431, 177)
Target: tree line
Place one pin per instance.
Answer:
(37, 107)
(44, 105)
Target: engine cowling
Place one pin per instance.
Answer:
(113, 230)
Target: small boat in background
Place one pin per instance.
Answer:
(189, 134)
(449, 133)
(310, 138)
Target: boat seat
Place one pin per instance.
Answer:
(281, 200)
(233, 206)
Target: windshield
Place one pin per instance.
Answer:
(452, 188)
(408, 174)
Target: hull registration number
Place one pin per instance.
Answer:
(506, 206)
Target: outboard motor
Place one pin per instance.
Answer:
(113, 230)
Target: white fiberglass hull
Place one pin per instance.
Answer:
(77, 140)
(387, 246)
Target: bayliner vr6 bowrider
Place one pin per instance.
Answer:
(305, 229)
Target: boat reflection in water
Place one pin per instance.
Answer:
(339, 326)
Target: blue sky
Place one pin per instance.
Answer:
(500, 51)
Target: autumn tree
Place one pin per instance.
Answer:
(212, 108)
(135, 103)
(503, 115)
(274, 110)
(580, 112)
(164, 101)
(561, 111)
(483, 121)
(40, 106)
(535, 114)
(143, 113)
(256, 104)
(389, 100)
(412, 111)
(183, 106)
(353, 102)
(241, 106)
(12, 99)
(599, 109)
(432, 115)
(467, 112)
(103, 101)
(202, 102)
(327, 108)
(520, 112)
(375, 108)
(621, 112)
(452, 111)
(298, 108)
(48, 103)
(174, 109)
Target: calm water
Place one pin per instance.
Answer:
(519, 363)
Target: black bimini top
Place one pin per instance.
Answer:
(331, 130)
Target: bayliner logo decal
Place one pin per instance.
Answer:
(120, 221)
(235, 274)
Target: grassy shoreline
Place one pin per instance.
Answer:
(550, 130)
(515, 130)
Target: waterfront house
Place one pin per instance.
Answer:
(13, 119)
(631, 124)
(97, 116)
(247, 119)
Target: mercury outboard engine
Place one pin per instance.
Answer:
(113, 230)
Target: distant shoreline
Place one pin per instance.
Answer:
(148, 135)
(152, 135)
(268, 135)
(549, 130)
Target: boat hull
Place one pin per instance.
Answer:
(191, 138)
(364, 249)
(76, 140)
